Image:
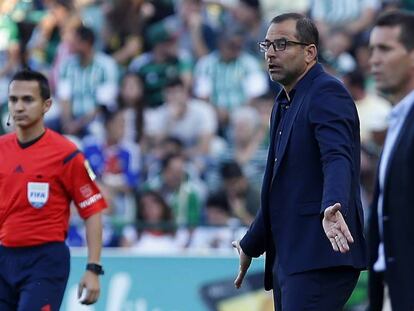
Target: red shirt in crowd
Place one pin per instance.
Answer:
(37, 185)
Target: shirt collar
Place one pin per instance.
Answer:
(401, 109)
(283, 96)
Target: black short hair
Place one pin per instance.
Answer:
(86, 34)
(403, 19)
(356, 78)
(175, 81)
(31, 75)
(218, 200)
(231, 169)
(306, 29)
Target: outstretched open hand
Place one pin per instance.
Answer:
(336, 228)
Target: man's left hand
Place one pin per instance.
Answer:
(90, 284)
(336, 228)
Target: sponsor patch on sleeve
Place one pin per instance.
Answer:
(88, 202)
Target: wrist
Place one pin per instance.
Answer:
(95, 268)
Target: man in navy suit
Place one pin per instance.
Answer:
(310, 206)
(391, 229)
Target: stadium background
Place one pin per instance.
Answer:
(180, 101)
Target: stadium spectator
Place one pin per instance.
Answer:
(9, 48)
(117, 165)
(181, 189)
(247, 15)
(229, 77)
(163, 63)
(220, 227)
(41, 173)
(248, 146)
(131, 100)
(47, 35)
(336, 55)
(242, 197)
(373, 110)
(191, 120)
(353, 16)
(155, 228)
(88, 80)
(195, 34)
(124, 27)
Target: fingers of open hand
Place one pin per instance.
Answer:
(347, 233)
(339, 242)
(240, 277)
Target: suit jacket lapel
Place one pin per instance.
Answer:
(407, 123)
(301, 88)
(270, 156)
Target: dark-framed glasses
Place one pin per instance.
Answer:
(278, 44)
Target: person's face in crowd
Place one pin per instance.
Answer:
(391, 63)
(152, 209)
(168, 48)
(244, 13)
(176, 98)
(287, 66)
(235, 186)
(174, 173)
(115, 128)
(230, 48)
(176, 94)
(80, 47)
(244, 130)
(217, 216)
(338, 43)
(189, 8)
(26, 104)
(132, 89)
(60, 12)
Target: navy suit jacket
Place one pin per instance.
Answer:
(397, 218)
(316, 165)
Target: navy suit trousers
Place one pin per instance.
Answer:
(316, 290)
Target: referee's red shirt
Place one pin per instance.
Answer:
(37, 185)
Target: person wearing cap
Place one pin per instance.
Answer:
(41, 173)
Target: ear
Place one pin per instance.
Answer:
(411, 55)
(46, 105)
(311, 53)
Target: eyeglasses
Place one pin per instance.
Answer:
(278, 44)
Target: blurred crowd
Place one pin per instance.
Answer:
(170, 102)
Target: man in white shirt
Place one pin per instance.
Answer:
(391, 232)
(191, 120)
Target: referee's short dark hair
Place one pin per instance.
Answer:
(31, 75)
(403, 19)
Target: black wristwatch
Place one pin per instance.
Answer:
(95, 268)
